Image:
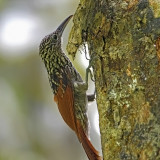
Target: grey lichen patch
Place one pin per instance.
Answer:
(133, 86)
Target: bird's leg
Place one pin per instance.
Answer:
(90, 97)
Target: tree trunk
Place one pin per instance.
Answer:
(123, 37)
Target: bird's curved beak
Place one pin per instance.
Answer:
(63, 25)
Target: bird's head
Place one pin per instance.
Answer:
(52, 42)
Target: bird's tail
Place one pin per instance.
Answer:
(91, 152)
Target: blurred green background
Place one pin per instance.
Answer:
(31, 127)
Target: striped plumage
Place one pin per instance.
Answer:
(55, 61)
(68, 87)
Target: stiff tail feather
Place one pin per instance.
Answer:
(91, 152)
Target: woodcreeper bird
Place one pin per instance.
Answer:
(68, 87)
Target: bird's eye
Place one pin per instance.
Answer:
(55, 37)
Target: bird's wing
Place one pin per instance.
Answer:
(70, 102)
(65, 102)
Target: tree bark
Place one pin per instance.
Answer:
(123, 37)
